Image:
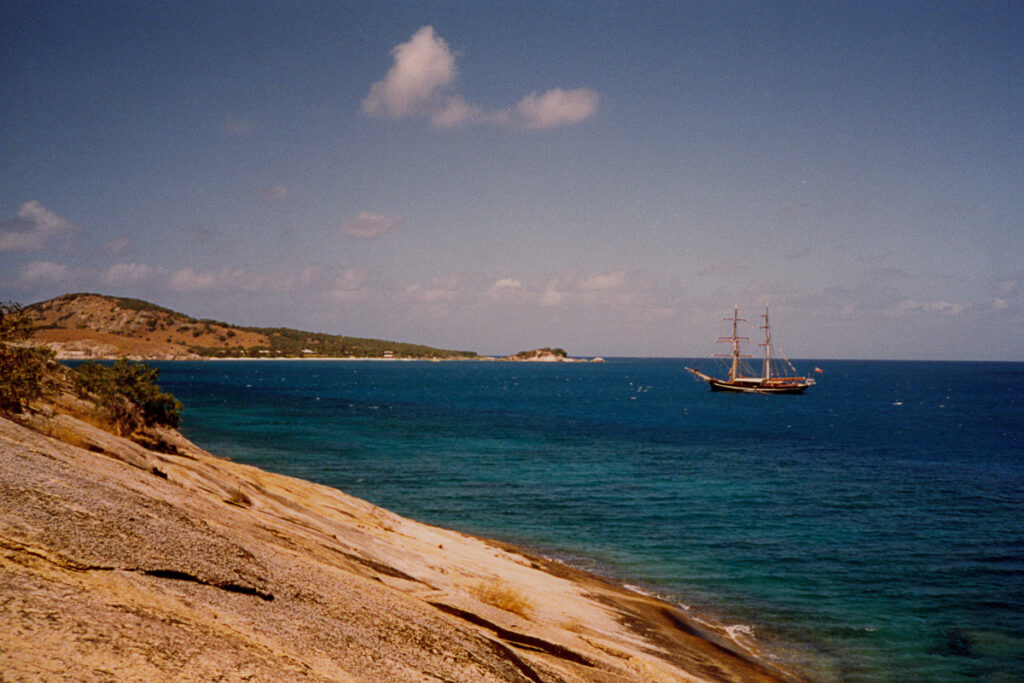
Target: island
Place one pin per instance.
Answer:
(545, 355)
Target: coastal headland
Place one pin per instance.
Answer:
(96, 327)
(88, 326)
(132, 563)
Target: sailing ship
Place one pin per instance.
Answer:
(769, 382)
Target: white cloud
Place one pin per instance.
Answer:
(229, 279)
(47, 221)
(603, 281)
(32, 228)
(127, 274)
(421, 81)
(188, 280)
(456, 112)
(423, 67)
(369, 225)
(45, 272)
(508, 290)
(21, 240)
(557, 107)
(552, 296)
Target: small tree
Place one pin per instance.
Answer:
(24, 375)
(127, 392)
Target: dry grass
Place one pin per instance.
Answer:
(121, 332)
(67, 434)
(95, 419)
(497, 593)
(239, 497)
(606, 649)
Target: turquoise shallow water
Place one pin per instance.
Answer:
(871, 529)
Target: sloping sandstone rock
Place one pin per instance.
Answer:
(122, 564)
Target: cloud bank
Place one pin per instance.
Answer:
(420, 84)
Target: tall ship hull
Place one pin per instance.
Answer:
(754, 385)
(768, 382)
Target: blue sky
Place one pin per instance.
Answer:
(608, 177)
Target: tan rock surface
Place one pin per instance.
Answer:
(122, 564)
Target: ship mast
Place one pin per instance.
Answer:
(767, 373)
(735, 340)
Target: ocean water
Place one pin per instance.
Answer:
(871, 529)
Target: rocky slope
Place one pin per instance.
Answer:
(122, 563)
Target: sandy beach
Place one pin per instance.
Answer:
(122, 563)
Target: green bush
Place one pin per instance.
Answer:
(127, 392)
(15, 324)
(24, 373)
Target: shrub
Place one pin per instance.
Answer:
(139, 305)
(129, 395)
(15, 325)
(560, 352)
(239, 497)
(24, 373)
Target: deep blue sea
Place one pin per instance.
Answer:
(871, 529)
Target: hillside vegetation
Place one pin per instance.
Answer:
(97, 326)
